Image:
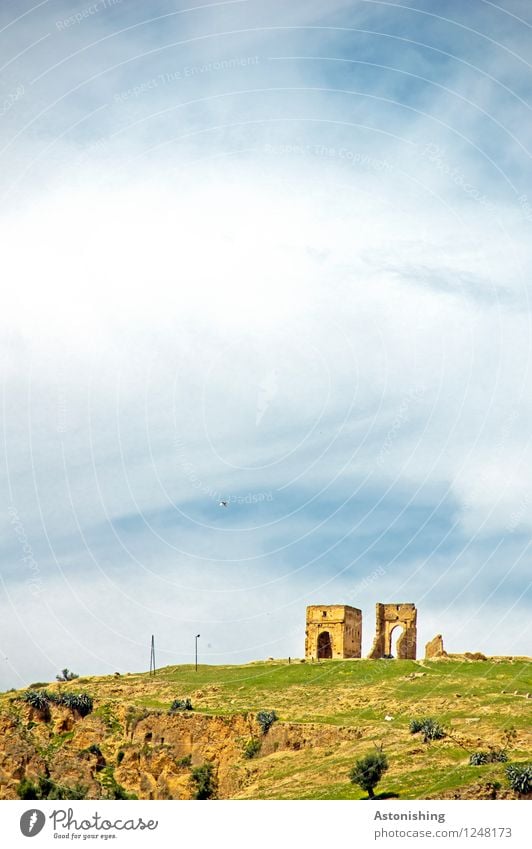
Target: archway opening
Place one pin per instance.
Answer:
(324, 646)
(395, 635)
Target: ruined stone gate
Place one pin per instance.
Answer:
(335, 631)
(388, 618)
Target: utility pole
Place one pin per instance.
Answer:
(152, 656)
(196, 652)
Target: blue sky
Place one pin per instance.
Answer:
(277, 254)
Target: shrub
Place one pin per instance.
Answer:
(478, 758)
(431, 729)
(38, 699)
(491, 757)
(252, 748)
(66, 675)
(204, 781)
(80, 702)
(179, 705)
(186, 761)
(26, 789)
(47, 788)
(368, 771)
(266, 718)
(498, 756)
(520, 778)
(38, 685)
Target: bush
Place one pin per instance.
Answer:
(266, 718)
(179, 705)
(431, 729)
(520, 778)
(186, 761)
(66, 675)
(491, 757)
(204, 781)
(478, 758)
(368, 771)
(37, 699)
(46, 788)
(252, 748)
(80, 702)
(41, 699)
(498, 756)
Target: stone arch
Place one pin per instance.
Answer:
(325, 646)
(395, 632)
(388, 617)
(342, 622)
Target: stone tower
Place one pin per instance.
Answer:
(333, 631)
(389, 617)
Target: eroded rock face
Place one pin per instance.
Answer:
(434, 648)
(150, 756)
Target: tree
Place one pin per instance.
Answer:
(66, 675)
(266, 718)
(204, 781)
(368, 771)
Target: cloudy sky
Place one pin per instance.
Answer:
(277, 254)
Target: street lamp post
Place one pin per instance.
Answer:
(196, 653)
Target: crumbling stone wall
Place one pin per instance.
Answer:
(388, 617)
(434, 648)
(333, 631)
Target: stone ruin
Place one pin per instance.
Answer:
(335, 631)
(434, 648)
(389, 617)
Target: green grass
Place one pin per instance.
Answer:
(475, 701)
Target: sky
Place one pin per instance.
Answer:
(277, 255)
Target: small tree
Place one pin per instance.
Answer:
(204, 781)
(368, 771)
(252, 748)
(66, 675)
(266, 718)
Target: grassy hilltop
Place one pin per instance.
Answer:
(330, 713)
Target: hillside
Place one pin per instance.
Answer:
(329, 713)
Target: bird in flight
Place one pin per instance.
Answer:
(223, 504)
